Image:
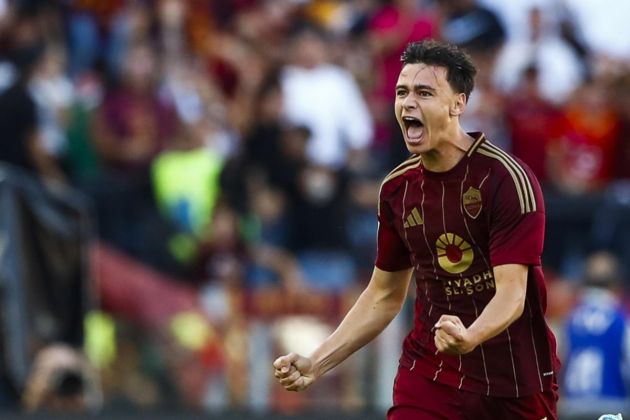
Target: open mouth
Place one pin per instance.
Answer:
(413, 127)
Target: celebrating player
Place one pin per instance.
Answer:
(469, 219)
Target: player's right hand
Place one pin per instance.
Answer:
(294, 372)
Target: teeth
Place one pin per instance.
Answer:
(412, 120)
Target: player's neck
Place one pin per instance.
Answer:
(450, 151)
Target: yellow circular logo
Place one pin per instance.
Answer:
(455, 255)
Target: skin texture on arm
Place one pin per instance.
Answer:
(452, 337)
(372, 312)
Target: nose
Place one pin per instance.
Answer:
(409, 102)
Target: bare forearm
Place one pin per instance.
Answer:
(502, 310)
(369, 316)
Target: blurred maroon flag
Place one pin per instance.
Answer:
(137, 292)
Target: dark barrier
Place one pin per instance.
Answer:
(232, 415)
(44, 232)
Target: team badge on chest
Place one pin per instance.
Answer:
(471, 200)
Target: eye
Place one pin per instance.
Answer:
(401, 92)
(425, 93)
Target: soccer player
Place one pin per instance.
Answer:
(469, 220)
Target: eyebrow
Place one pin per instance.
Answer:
(417, 87)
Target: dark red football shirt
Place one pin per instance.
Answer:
(453, 227)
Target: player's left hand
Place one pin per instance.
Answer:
(452, 337)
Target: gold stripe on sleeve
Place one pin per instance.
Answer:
(517, 183)
(519, 169)
(411, 163)
(402, 167)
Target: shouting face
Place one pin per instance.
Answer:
(426, 107)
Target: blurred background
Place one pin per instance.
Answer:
(188, 190)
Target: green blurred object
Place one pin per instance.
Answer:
(81, 158)
(183, 247)
(191, 330)
(100, 339)
(186, 184)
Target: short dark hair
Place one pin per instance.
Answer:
(460, 70)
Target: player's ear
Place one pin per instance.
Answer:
(459, 105)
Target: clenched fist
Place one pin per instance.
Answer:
(294, 372)
(452, 337)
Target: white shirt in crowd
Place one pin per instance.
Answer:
(328, 101)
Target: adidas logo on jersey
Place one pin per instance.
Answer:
(414, 219)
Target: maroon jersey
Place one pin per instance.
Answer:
(453, 227)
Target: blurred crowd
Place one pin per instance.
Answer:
(236, 147)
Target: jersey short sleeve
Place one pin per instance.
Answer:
(392, 253)
(517, 222)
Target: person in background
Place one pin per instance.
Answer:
(61, 380)
(22, 142)
(323, 97)
(130, 128)
(559, 67)
(597, 344)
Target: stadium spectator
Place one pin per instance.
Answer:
(531, 123)
(130, 128)
(580, 162)
(597, 343)
(471, 26)
(602, 29)
(61, 381)
(560, 70)
(324, 97)
(23, 141)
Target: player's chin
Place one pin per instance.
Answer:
(414, 147)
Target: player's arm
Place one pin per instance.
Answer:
(372, 312)
(504, 308)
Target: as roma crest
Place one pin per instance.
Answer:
(472, 202)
